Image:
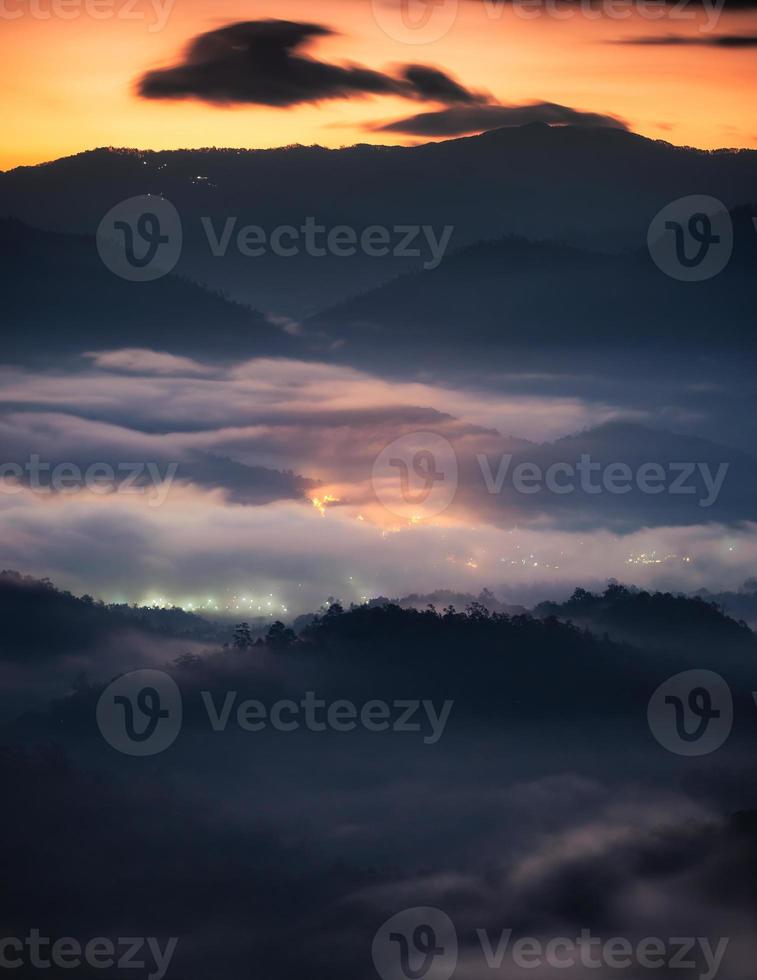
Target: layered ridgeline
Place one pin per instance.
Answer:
(515, 293)
(590, 187)
(59, 299)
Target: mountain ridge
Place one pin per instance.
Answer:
(610, 134)
(502, 182)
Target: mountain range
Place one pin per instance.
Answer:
(596, 188)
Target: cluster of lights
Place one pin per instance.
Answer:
(241, 603)
(530, 560)
(267, 606)
(652, 558)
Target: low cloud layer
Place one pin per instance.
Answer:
(554, 810)
(273, 486)
(684, 40)
(459, 120)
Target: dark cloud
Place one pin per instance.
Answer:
(459, 120)
(679, 9)
(257, 62)
(435, 85)
(711, 41)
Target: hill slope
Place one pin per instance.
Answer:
(517, 293)
(59, 298)
(611, 183)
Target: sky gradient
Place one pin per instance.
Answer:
(71, 84)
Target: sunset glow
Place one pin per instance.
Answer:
(69, 85)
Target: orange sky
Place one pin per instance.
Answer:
(67, 84)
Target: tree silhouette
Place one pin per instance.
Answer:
(279, 636)
(242, 636)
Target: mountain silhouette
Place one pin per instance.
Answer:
(518, 293)
(654, 620)
(704, 481)
(594, 187)
(59, 299)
